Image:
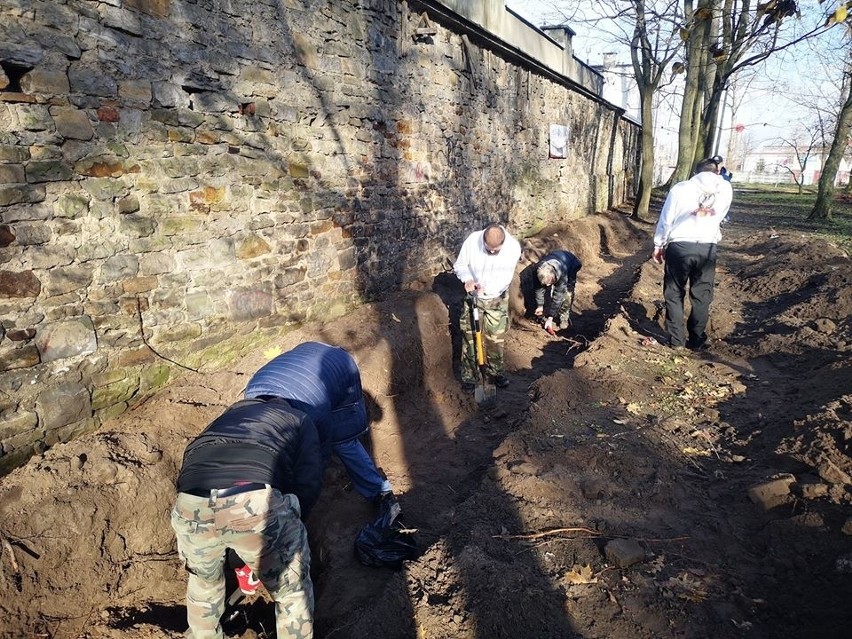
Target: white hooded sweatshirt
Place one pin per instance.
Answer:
(693, 210)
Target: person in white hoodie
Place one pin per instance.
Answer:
(685, 239)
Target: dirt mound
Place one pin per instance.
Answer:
(823, 442)
(617, 489)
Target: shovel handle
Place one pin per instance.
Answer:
(480, 353)
(476, 329)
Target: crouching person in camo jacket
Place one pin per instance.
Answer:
(548, 288)
(246, 483)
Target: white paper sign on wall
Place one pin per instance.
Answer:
(558, 141)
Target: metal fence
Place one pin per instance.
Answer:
(753, 177)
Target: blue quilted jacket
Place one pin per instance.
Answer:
(322, 381)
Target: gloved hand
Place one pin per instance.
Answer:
(548, 326)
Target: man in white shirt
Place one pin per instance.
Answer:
(686, 237)
(486, 265)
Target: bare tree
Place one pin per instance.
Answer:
(804, 141)
(721, 38)
(696, 32)
(725, 37)
(654, 43)
(825, 189)
(750, 32)
(740, 88)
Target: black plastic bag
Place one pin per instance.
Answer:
(385, 542)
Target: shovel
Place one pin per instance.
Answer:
(484, 392)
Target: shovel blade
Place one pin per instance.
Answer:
(485, 393)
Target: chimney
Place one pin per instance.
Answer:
(563, 34)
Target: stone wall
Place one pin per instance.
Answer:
(180, 178)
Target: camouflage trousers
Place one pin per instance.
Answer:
(264, 528)
(494, 319)
(563, 313)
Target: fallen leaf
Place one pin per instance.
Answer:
(689, 450)
(657, 564)
(687, 588)
(580, 575)
(271, 353)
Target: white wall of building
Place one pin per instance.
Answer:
(780, 165)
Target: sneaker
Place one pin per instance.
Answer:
(501, 381)
(247, 581)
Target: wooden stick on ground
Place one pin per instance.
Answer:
(547, 533)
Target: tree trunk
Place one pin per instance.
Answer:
(710, 120)
(825, 190)
(646, 170)
(698, 141)
(688, 129)
(714, 85)
(707, 84)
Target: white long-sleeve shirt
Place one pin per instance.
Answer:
(693, 210)
(493, 272)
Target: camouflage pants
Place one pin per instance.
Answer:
(264, 528)
(494, 318)
(563, 313)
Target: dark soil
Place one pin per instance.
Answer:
(617, 489)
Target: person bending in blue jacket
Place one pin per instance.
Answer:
(548, 288)
(323, 382)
